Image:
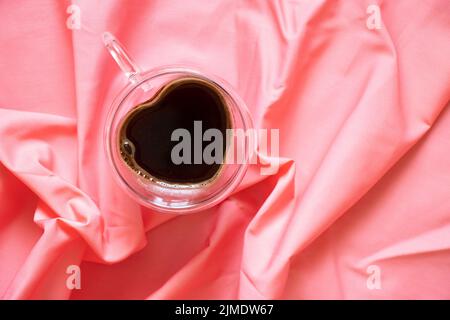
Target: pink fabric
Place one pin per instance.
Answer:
(365, 144)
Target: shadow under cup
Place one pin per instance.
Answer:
(175, 196)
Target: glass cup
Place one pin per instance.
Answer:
(160, 195)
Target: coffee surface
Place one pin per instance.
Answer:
(148, 130)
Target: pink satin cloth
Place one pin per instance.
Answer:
(364, 180)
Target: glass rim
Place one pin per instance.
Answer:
(230, 184)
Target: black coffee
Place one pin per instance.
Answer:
(145, 137)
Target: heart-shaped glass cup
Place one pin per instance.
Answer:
(152, 192)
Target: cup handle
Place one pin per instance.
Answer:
(121, 57)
